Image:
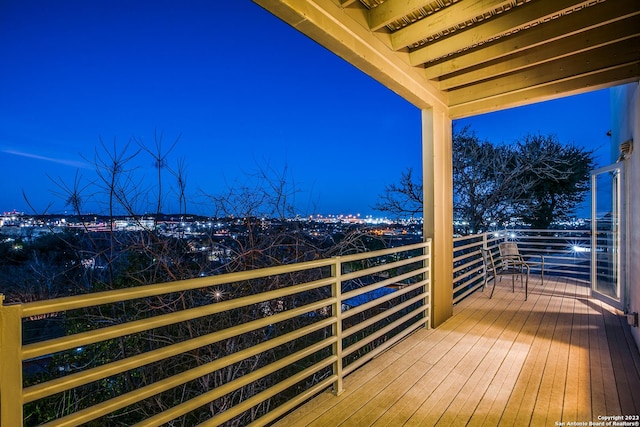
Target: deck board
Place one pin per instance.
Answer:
(559, 356)
(493, 405)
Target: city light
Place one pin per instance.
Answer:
(217, 294)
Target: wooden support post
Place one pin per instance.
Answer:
(10, 364)
(437, 172)
(336, 292)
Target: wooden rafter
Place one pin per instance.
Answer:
(475, 56)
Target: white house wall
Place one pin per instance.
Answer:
(625, 121)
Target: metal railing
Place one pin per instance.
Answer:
(326, 319)
(565, 252)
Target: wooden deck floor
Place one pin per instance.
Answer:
(559, 357)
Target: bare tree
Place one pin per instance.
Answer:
(159, 161)
(404, 199)
(180, 175)
(263, 235)
(487, 182)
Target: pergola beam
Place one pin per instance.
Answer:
(393, 10)
(516, 19)
(566, 68)
(580, 43)
(570, 86)
(587, 19)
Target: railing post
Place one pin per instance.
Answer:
(10, 364)
(427, 300)
(336, 292)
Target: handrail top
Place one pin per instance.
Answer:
(135, 292)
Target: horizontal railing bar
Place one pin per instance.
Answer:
(150, 390)
(556, 248)
(210, 396)
(464, 286)
(294, 402)
(359, 344)
(467, 282)
(383, 252)
(462, 281)
(467, 265)
(560, 264)
(572, 257)
(372, 320)
(468, 273)
(78, 379)
(383, 283)
(586, 273)
(478, 236)
(551, 258)
(556, 241)
(541, 240)
(266, 394)
(119, 295)
(382, 348)
(549, 265)
(363, 307)
(466, 261)
(382, 267)
(90, 337)
(542, 234)
(467, 292)
(544, 249)
(469, 246)
(545, 230)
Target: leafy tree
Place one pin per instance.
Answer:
(557, 177)
(536, 181)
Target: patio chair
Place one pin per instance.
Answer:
(498, 267)
(509, 252)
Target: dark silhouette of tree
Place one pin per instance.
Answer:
(159, 156)
(403, 199)
(557, 178)
(263, 236)
(485, 182)
(536, 181)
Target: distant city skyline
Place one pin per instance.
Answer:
(77, 72)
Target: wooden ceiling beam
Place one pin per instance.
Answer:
(499, 25)
(543, 49)
(393, 10)
(571, 86)
(619, 55)
(595, 38)
(600, 14)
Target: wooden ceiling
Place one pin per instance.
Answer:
(475, 56)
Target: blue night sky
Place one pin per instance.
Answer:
(241, 89)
